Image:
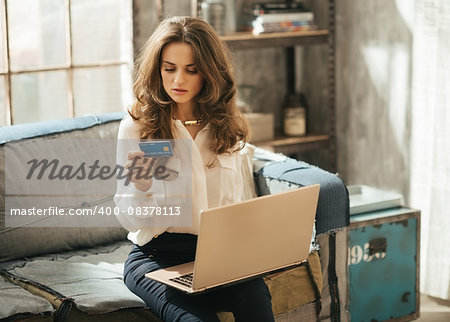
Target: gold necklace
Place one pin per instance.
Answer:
(192, 122)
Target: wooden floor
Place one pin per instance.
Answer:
(433, 310)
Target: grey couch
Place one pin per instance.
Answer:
(53, 271)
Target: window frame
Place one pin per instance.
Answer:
(69, 67)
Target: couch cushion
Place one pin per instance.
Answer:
(31, 130)
(92, 278)
(82, 285)
(22, 240)
(17, 303)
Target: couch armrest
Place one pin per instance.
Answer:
(276, 172)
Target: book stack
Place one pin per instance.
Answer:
(281, 17)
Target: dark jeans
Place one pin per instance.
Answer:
(249, 301)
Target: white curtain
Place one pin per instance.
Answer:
(430, 149)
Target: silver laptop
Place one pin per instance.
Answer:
(246, 240)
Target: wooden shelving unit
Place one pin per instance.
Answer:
(281, 140)
(325, 36)
(292, 145)
(246, 40)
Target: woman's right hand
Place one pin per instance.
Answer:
(139, 170)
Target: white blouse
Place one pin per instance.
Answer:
(216, 180)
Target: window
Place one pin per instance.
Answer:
(64, 58)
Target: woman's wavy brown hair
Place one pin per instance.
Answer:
(152, 108)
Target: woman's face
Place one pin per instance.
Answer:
(181, 79)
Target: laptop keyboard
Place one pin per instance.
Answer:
(185, 280)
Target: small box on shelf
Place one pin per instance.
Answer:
(261, 125)
(366, 199)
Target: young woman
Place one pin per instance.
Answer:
(185, 90)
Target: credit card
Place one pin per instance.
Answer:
(156, 148)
